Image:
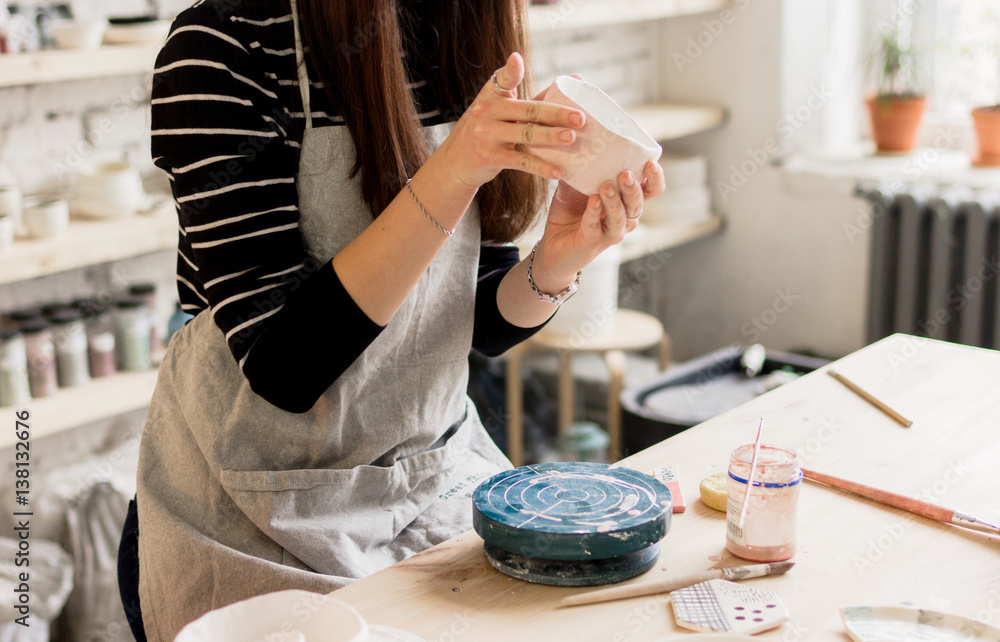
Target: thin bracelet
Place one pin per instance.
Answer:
(426, 213)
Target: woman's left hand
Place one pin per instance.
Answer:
(579, 228)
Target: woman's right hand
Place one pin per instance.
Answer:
(483, 140)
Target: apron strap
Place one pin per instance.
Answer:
(300, 65)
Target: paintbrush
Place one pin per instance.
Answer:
(751, 474)
(867, 396)
(909, 504)
(668, 584)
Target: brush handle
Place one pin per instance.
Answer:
(867, 396)
(908, 504)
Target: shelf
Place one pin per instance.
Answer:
(666, 121)
(89, 242)
(74, 64)
(660, 237)
(101, 398)
(581, 14)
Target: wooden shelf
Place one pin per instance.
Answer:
(580, 14)
(101, 398)
(89, 242)
(658, 237)
(74, 64)
(666, 121)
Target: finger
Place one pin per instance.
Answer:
(614, 212)
(533, 111)
(535, 134)
(512, 73)
(653, 180)
(522, 161)
(592, 221)
(632, 196)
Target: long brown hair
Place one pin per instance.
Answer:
(356, 47)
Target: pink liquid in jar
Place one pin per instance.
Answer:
(768, 531)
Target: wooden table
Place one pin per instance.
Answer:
(851, 551)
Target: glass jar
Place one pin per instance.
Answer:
(768, 531)
(100, 337)
(70, 338)
(41, 357)
(14, 388)
(132, 335)
(147, 292)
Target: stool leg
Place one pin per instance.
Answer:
(566, 391)
(515, 402)
(615, 360)
(663, 353)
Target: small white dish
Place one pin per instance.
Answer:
(282, 615)
(46, 218)
(891, 623)
(154, 31)
(609, 143)
(75, 34)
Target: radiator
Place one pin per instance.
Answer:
(934, 265)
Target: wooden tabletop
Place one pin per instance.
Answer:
(851, 551)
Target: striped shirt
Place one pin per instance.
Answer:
(227, 126)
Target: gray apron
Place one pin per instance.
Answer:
(237, 498)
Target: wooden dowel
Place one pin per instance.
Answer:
(908, 504)
(904, 422)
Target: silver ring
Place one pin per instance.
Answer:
(634, 218)
(498, 87)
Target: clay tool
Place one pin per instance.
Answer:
(718, 605)
(571, 523)
(668, 584)
(750, 476)
(898, 418)
(668, 475)
(909, 504)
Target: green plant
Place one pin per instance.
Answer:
(896, 69)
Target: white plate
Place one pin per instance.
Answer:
(891, 623)
(140, 32)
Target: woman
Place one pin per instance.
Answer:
(338, 169)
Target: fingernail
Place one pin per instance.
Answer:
(566, 135)
(629, 179)
(609, 191)
(576, 119)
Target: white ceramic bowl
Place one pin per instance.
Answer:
(153, 31)
(46, 218)
(73, 34)
(288, 616)
(609, 143)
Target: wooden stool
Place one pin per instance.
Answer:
(631, 331)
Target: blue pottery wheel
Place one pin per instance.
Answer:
(572, 523)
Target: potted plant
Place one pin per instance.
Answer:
(897, 106)
(986, 120)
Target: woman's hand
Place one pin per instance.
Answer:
(579, 228)
(483, 140)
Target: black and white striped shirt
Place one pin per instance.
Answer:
(226, 127)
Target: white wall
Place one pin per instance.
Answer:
(783, 272)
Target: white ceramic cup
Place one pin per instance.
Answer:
(78, 34)
(47, 218)
(609, 143)
(11, 206)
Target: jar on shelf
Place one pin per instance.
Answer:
(41, 357)
(14, 388)
(70, 338)
(147, 292)
(768, 530)
(100, 336)
(132, 335)
(17, 317)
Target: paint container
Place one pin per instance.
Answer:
(14, 388)
(100, 337)
(768, 531)
(147, 292)
(41, 357)
(132, 335)
(70, 338)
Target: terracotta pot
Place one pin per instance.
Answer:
(895, 121)
(987, 123)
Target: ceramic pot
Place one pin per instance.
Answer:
(609, 143)
(987, 124)
(46, 219)
(895, 121)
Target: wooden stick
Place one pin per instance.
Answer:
(904, 422)
(751, 474)
(673, 583)
(909, 504)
